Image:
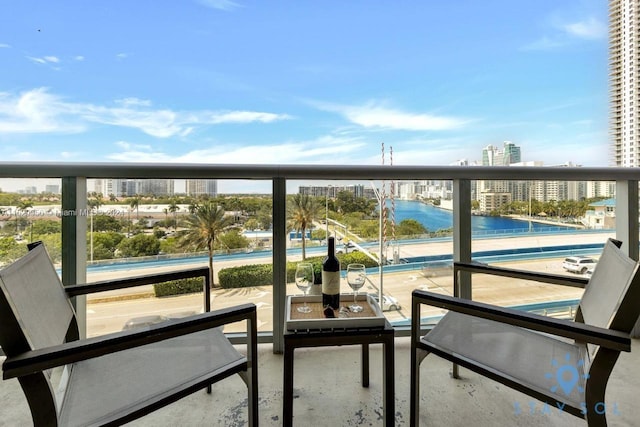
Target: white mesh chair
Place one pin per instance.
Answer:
(116, 378)
(531, 353)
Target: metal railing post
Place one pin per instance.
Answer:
(279, 261)
(461, 240)
(627, 224)
(74, 242)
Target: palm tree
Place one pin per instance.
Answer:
(174, 208)
(134, 203)
(203, 227)
(22, 207)
(303, 210)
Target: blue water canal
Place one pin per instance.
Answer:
(434, 218)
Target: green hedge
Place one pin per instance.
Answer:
(255, 275)
(245, 276)
(262, 274)
(180, 286)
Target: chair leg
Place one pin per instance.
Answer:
(596, 387)
(596, 415)
(417, 356)
(252, 387)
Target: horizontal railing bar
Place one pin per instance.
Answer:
(299, 171)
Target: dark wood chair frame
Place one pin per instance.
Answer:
(28, 365)
(611, 342)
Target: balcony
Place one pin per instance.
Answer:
(323, 401)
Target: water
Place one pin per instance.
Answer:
(434, 219)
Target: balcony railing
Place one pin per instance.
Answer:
(74, 189)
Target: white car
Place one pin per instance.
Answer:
(346, 248)
(389, 303)
(578, 264)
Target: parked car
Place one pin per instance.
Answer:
(141, 321)
(578, 264)
(389, 303)
(589, 272)
(138, 322)
(347, 248)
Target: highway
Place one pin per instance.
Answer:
(108, 313)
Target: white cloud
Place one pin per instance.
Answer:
(246, 117)
(4, 45)
(45, 60)
(79, 58)
(544, 43)
(128, 146)
(121, 56)
(37, 111)
(131, 102)
(590, 28)
(292, 152)
(565, 33)
(219, 4)
(37, 60)
(373, 115)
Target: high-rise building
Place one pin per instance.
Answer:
(199, 187)
(493, 156)
(624, 53)
(121, 187)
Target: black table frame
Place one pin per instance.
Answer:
(337, 337)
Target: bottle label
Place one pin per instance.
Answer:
(330, 282)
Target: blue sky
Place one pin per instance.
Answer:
(300, 81)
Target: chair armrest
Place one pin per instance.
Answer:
(609, 338)
(74, 351)
(127, 282)
(556, 279)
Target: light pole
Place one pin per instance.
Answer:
(381, 257)
(326, 219)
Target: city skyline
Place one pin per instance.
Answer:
(221, 81)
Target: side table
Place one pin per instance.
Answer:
(337, 337)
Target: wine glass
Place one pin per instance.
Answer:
(304, 280)
(356, 276)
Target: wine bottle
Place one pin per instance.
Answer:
(331, 277)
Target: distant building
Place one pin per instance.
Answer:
(52, 188)
(624, 51)
(332, 191)
(199, 187)
(31, 189)
(120, 187)
(492, 201)
(493, 156)
(602, 216)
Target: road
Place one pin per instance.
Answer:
(104, 316)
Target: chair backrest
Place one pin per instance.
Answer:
(611, 298)
(35, 311)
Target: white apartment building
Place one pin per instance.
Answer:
(199, 187)
(624, 54)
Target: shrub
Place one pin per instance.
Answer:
(245, 276)
(180, 286)
(262, 274)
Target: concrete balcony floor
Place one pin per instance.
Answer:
(328, 393)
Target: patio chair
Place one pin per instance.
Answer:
(115, 378)
(561, 362)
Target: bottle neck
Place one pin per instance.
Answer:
(332, 245)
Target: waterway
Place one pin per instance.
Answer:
(434, 218)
